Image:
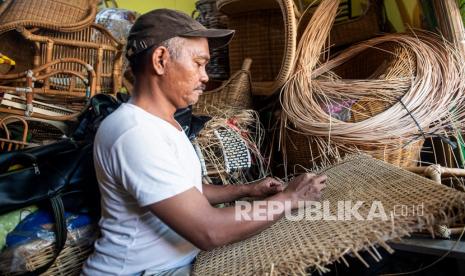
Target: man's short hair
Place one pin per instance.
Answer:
(139, 61)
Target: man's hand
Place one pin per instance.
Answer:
(305, 187)
(265, 187)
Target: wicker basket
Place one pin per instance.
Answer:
(305, 150)
(266, 31)
(233, 93)
(62, 15)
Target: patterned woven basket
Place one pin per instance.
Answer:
(235, 92)
(266, 31)
(62, 15)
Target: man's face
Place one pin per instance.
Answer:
(186, 75)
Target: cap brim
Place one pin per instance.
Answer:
(217, 38)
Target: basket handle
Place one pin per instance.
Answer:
(246, 64)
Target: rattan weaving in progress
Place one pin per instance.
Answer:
(304, 246)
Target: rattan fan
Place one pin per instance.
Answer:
(61, 15)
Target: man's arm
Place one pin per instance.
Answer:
(228, 193)
(191, 215)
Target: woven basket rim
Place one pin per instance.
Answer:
(52, 25)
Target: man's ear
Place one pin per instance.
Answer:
(160, 57)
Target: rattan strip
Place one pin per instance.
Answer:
(298, 247)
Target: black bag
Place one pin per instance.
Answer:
(101, 105)
(60, 175)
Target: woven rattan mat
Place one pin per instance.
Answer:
(299, 247)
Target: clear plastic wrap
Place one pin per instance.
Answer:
(117, 21)
(31, 244)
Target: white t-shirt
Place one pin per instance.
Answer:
(140, 159)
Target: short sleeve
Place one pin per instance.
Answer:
(148, 168)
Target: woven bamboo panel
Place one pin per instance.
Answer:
(304, 246)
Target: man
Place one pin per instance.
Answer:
(156, 214)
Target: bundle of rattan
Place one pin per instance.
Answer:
(418, 93)
(229, 145)
(307, 242)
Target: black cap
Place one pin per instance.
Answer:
(156, 26)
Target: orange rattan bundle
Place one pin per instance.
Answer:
(62, 15)
(234, 93)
